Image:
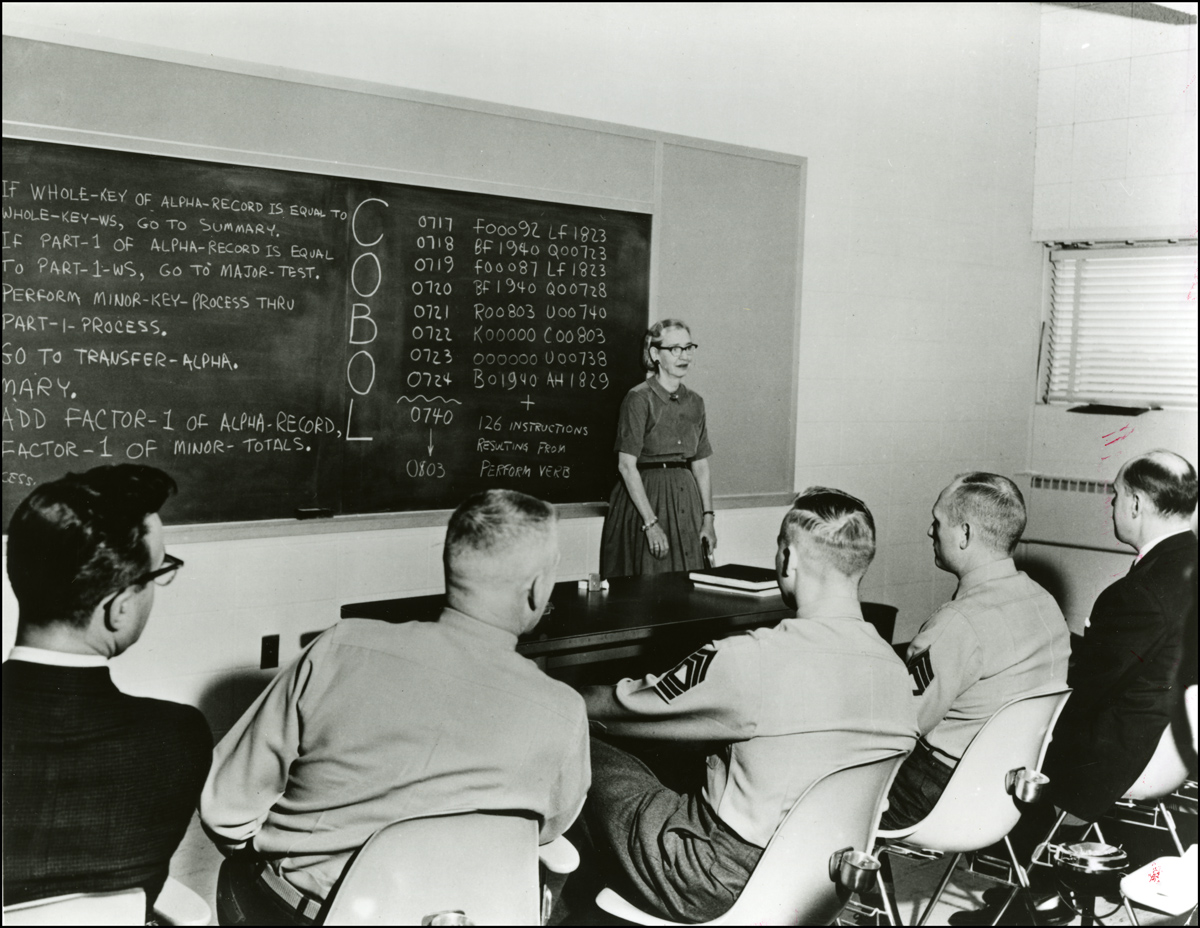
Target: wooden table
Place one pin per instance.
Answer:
(658, 618)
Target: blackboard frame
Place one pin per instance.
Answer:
(55, 92)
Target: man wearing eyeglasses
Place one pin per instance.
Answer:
(99, 786)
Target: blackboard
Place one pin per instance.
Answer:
(279, 340)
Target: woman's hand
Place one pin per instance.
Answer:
(708, 532)
(657, 539)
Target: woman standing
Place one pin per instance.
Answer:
(660, 511)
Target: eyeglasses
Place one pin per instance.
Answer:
(677, 350)
(162, 576)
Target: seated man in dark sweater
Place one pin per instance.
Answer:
(98, 786)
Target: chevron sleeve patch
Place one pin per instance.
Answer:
(689, 673)
(920, 668)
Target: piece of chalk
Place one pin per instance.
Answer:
(604, 584)
(314, 513)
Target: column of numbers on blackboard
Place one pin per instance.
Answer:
(281, 340)
(431, 356)
(547, 330)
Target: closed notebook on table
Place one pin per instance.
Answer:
(739, 577)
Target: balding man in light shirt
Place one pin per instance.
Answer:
(377, 722)
(1002, 636)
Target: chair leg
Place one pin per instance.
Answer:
(1166, 813)
(941, 888)
(887, 895)
(1004, 908)
(1041, 848)
(1023, 881)
(1129, 911)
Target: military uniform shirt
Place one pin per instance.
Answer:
(1002, 636)
(375, 723)
(792, 702)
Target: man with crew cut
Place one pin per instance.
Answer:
(1000, 637)
(784, 706)
(378, 722)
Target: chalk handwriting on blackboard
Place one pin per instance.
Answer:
(280, 340)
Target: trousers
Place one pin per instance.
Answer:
(666, 852)
(919, 784)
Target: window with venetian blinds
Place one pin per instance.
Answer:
(1122, 327)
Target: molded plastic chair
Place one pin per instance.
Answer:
(123, 907)
(484, 865)
(791, 884)
(1164, 774)
(1166, 885)
(976, 808)
(175, 905)
(178, 905)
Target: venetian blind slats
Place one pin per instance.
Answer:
(1122, 327)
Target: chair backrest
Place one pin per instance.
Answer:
(882, 617)
(1164, 773)
(975, 809)
(483, 864)
(178, 905)
(123, 907)
(791, 884)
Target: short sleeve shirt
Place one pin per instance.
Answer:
(788, 703)
(657, 426)
(1001, 637)
(375, 723)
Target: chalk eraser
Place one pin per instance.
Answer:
(314, 513)
(583, 585)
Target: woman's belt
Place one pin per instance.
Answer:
(657, 464)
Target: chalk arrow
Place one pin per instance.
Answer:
(431, 442)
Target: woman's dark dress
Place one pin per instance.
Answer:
(657, 427)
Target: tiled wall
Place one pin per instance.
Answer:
(1116, 137)
(921, 288)
(1116, 159)
(921, 291)
(1075, 577)
(1092, 447)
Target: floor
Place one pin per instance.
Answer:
(196, 862)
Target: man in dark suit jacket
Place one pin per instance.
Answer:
(1128, 671)
(1124, 668)
(99, 786)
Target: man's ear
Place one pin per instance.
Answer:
(967, 535)
(789, 560)
(119, 610)
(1135, 503)
(539, 591)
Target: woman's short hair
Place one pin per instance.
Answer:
(75, 540)
(653, 339)
(1165, 478)
(495, 522)
(992, 504)
(834, 526)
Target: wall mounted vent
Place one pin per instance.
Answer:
(1072, 485)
